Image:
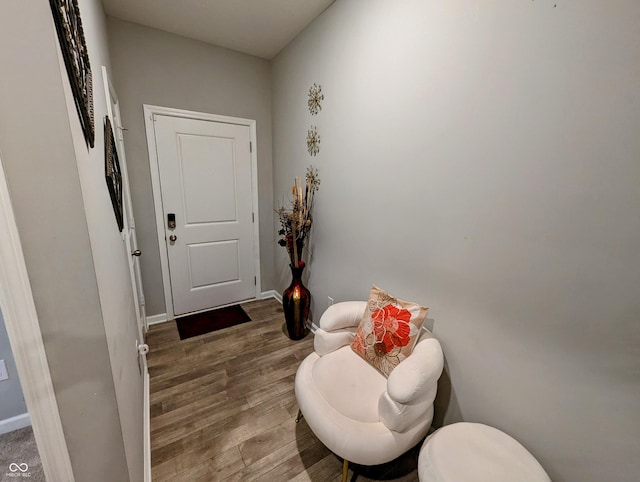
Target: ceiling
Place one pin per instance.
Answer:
(255, 27)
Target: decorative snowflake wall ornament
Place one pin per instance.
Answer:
(313, 141)
(315, 98)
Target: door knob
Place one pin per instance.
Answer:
(173, 238)
(137, 252)
(143, 348)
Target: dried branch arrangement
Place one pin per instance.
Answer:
(296, 221)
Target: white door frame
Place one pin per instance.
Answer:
(23, 328)
(149, 112)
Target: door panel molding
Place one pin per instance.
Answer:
(150, 111)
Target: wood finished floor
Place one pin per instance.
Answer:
(223, 407)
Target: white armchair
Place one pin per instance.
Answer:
(354, 410)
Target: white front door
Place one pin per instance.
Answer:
(207, 202)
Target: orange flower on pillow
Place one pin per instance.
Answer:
(391, 327)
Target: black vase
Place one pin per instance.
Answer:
(295, 301)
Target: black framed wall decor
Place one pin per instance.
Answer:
(112, 172)
(66, 16)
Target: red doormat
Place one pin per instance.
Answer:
(201, 323)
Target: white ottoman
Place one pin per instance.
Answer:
(473, 452)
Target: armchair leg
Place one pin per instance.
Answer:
(345, 470)
(299, 416)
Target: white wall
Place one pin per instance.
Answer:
(10, 391)
(154, 67)
(482, 158)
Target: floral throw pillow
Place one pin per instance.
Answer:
(388, 331)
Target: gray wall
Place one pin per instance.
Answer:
(37, 139)
(110, 254)
(482, 158)
(10, 390)
(154, 67)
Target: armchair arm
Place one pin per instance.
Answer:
(337, 326)
(346, 314)
(412, 387)
(418, 373)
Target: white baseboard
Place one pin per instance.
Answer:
(272, 294)
(14, 423)
(147, 430)
(267, 294)
(155, 319)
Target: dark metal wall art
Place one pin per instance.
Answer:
(314, 103)
(112, 172)
(315, 99)
(313, 141)
(66, 16)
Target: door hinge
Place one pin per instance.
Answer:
(255, 281)
(253, 217)
(250, 146)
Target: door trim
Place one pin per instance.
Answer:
(149, 112)
(23, 328)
